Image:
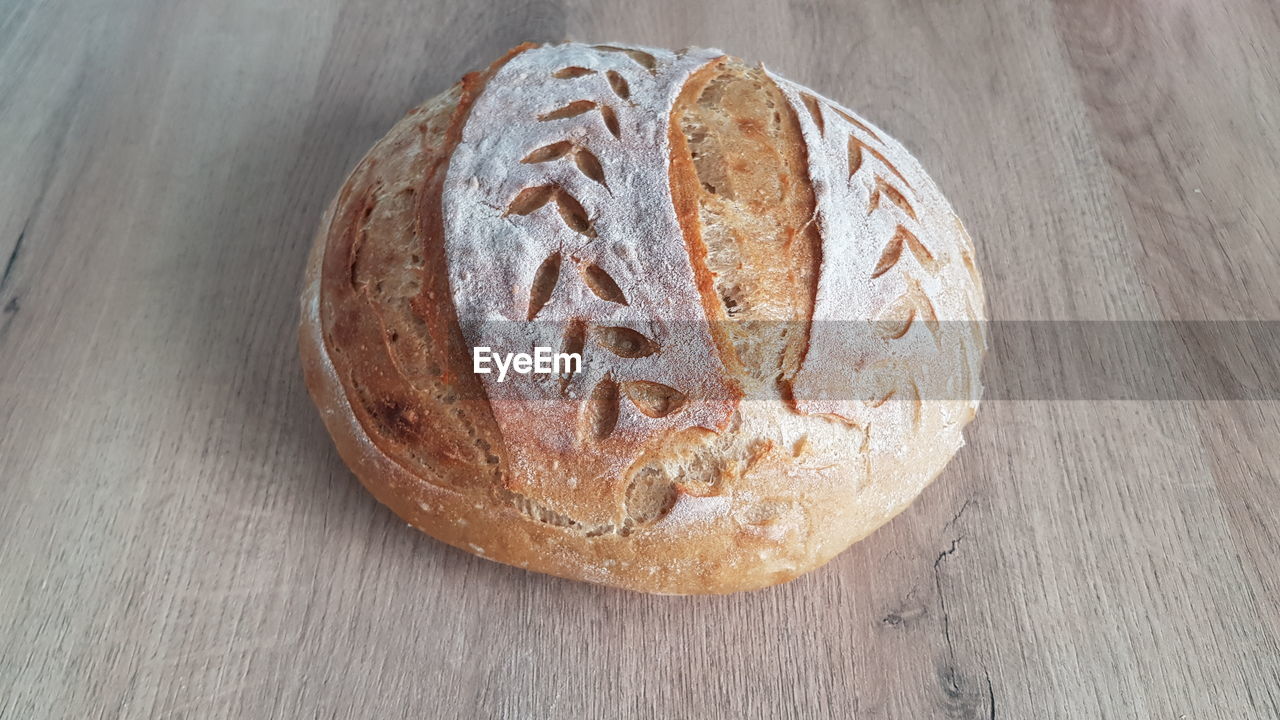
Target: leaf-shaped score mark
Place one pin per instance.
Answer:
(896, 322)
(573, 71)
(885, 190)
(602, 284)
(624, 342)
(815, 108)
(815, 111)
(886, 382)
(619, 84)
(547, 153)
(573, 109)
(654, 399)
(644, 59)
(578, 107)
(913, 306)
(857, 123)
(575, 339)
(893, 252)
(599, 414)
(856, 149)
(589, 164)
(586, 160)
(610, 120)
(533, 198)
(876, 383)
(544, 284)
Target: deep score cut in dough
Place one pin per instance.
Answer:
(780, 317)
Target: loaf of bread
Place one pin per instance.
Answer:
(778, 318)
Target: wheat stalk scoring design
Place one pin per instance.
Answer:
(562, 171)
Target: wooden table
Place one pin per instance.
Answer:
(179, 539)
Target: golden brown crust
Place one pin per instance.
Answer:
(774, 495)
(741, 150)
(686, 196)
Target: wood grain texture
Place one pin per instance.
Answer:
(179, 539)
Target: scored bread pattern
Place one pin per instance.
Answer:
(896, 268)
(561, 232)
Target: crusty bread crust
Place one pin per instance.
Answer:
(774, 495)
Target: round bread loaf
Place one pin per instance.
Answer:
(777, 313)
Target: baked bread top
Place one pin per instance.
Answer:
(779, 317)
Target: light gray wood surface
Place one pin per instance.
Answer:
(179, 539)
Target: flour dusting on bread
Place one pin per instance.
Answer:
(559, 214)
(894, 303)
